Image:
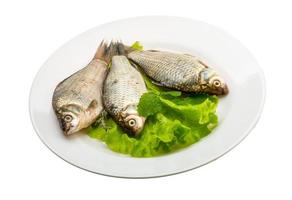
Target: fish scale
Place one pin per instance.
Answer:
(124, 86)
(169, 69)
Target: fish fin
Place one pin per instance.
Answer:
(135, 65)
(158, 83)
(125, 49)
(187, 54)
(204, 64)
(101, 50)
(101, 120)
(121, 49)
(106, 51)
(153, 50)
(93, 105)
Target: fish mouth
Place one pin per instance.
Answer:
(225, 90)
(222, 91)
(65, 127)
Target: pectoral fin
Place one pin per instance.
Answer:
(158, 83)
(91, 114)
(134, 65)
(92, 108)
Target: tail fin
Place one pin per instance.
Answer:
(121, 49)
(106, 51)
(124, 49)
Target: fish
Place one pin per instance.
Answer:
(77, 100)
(123, 89)
(182, 72)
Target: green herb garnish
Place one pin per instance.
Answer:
(137, 46)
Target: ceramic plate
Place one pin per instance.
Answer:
(238, 112)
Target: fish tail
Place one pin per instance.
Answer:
(101, 50)
(106, 51)
(121, 49)
(124, 49)
(129, 49)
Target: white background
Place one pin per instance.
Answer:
(259, 168)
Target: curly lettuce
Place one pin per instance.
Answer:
(174, 120)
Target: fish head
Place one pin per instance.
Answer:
(131, 120)
(134, 123)
(69, 119)
(212, 83)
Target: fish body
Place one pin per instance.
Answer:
(123, 88)
(179, 71)
(77, 100)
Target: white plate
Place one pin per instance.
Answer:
(238, 112)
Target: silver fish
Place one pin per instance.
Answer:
(123, 88)
(77, 100)
(179, 71)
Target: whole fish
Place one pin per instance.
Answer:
(123, 88)
(179, 71)
(77, 100)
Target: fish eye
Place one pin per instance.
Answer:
(216, 83)
(68, 118)
(132, 122)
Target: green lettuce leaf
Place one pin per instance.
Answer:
(149, 104)
(137, 46)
